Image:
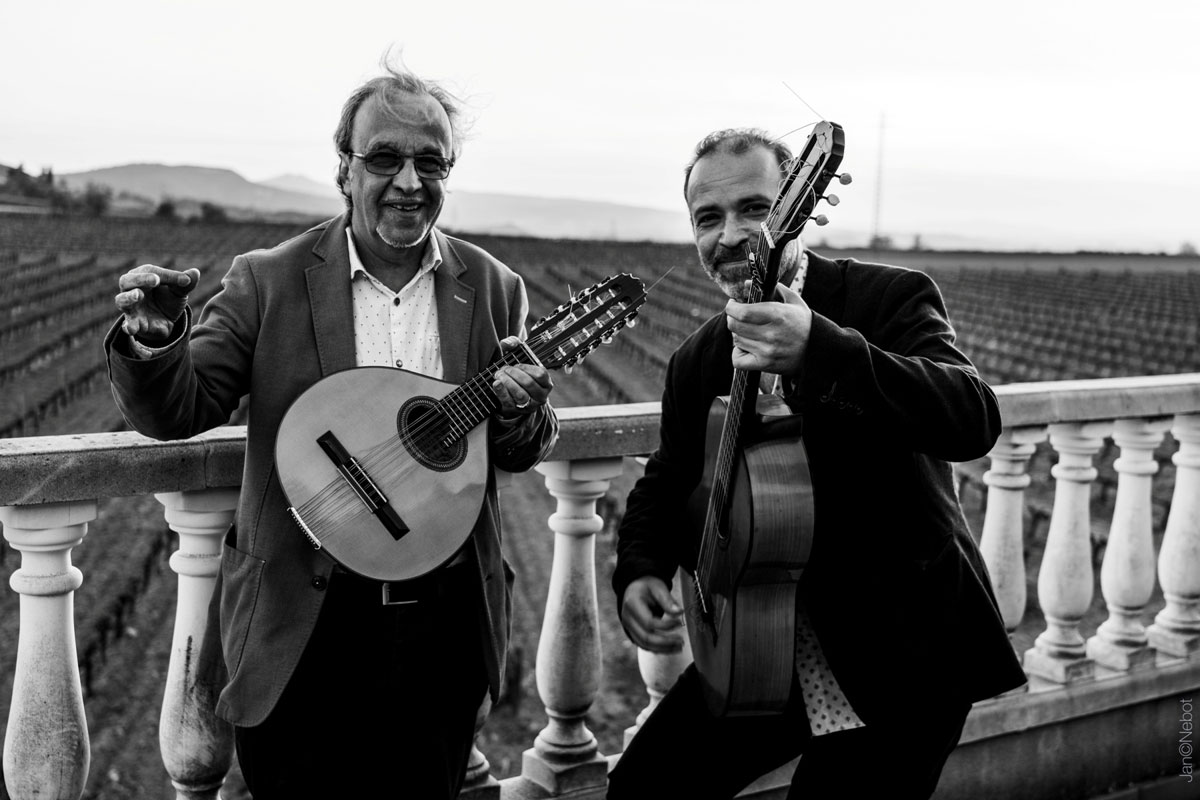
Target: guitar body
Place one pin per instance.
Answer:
(376, 415)
(744, 648)
(387, 470)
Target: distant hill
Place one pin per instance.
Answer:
(473, 212)
(224, 187)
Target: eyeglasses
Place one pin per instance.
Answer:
(388, 163)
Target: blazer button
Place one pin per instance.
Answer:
(318, 582)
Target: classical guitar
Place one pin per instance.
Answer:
(754, 504)
(386, 470)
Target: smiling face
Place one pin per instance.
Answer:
(392, 215)
(728, 196)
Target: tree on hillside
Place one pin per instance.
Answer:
(166, 210)
(212, 213)
(1188, 249)
(96, 200)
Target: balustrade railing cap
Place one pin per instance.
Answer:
(47, 469)
(1048, 402)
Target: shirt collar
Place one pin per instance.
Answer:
(431, 256)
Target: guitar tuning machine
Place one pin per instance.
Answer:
(844, 178)
(832, 199)
(821, 219)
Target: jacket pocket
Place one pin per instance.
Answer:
(241, 574)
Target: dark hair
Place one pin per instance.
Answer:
(736, 141)
(394, 81)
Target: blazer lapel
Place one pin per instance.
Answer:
(456, 310)
(330, 299)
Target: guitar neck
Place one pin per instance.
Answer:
(474, 401)
(469, 404)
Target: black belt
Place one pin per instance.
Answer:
(433, 586)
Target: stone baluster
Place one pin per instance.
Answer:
(197, 746)
(46, 747)
(1002, 541)
(661, 670)
(1176, 629)
(1127, 575)
(1065, 580)
(565, 756)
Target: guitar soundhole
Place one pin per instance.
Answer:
(424, 433)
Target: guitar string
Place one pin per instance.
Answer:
(706, 557)
(332, 511)
(336, 503)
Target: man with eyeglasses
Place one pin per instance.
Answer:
(334, 687)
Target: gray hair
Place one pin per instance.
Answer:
(394, 82)
(736, 141)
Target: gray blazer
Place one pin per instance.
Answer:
(281, 322)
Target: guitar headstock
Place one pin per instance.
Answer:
(807, 176)
(590, 318)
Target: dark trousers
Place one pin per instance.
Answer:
(383, 702)
(682, 751)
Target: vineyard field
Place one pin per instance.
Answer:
(1019, 317)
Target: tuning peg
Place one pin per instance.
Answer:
(631, 322)
(821, 219)
(832, 199)
(569, 367)
(844, 178)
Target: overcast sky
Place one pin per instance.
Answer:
(1032, 123)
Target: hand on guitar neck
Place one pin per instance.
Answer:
(652, 618)
(770, 336)
(521, 387)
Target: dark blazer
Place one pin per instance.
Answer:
(282, 321)
(896, 588)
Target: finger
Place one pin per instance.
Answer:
(127, 301)
(525, 384)
(135, 279)
(784, 294)
(658, 643)
(183, 282)
(655, 610)
(666, 601)
(148, 276)
(534, 379)
(510, 392)
(503, 390)
(648, 639)
(131, 325)
(510, 343)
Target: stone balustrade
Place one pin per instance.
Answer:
(50, 487)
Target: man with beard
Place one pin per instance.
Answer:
(338, 685)
(897, 629)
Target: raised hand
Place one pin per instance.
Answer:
(152, 299)
(770, 336)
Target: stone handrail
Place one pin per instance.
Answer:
(50, 486)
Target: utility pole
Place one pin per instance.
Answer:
(875, 239)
